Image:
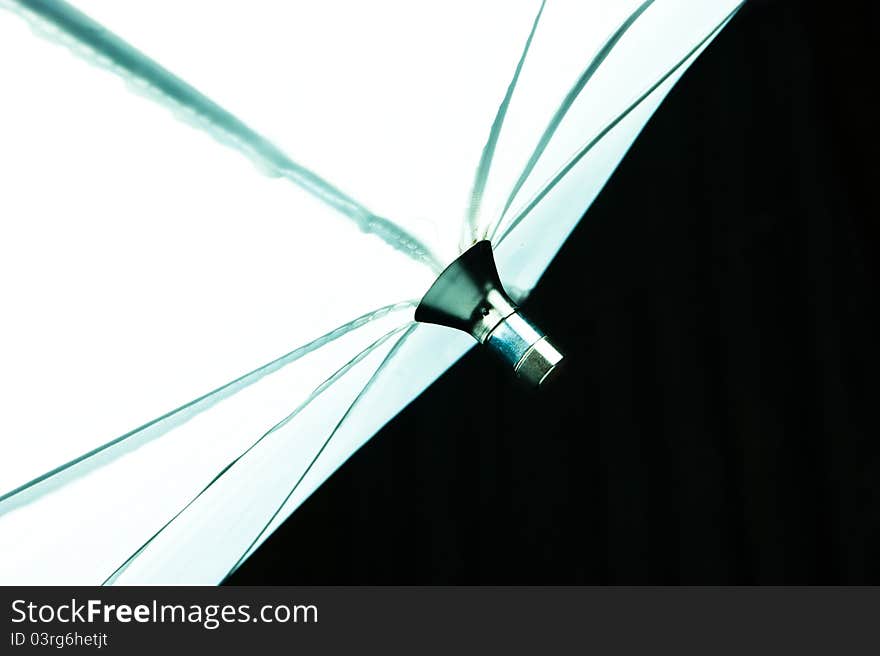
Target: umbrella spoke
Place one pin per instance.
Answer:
(160, 426)
(369, 384)
(105, 49)
(604, 131)
(569, 99)
(320, 389)
(482, 174)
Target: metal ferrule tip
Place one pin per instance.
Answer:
(469, 296)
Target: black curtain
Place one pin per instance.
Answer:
(717, 422)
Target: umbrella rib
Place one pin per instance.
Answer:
(481, 175)
(105, 49)
(604, 131)
(367, 386)
(177, 417)
(320, 389)
(570, 97)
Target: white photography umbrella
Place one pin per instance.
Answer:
(207, 310)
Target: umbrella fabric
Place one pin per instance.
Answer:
(209, 309)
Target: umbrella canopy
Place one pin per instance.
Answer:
(209, 309)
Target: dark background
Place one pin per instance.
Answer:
(717, 422)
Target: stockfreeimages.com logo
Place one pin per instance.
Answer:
(210, 616)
